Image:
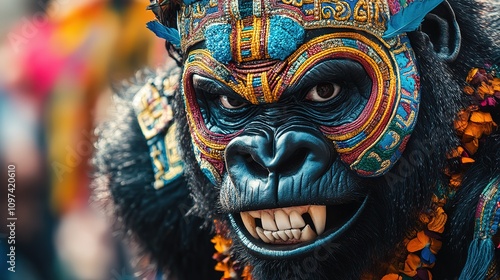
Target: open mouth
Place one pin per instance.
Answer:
(294, 229)
(286, 225)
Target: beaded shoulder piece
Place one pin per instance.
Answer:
(155, 117)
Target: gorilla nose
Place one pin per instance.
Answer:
(263, 158)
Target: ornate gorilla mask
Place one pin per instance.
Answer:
(282, 98)
(291, 107)
(321, 62)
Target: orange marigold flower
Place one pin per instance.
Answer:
(222, 245)
(226, 267)
(467, 160)
(411, 265)
(424, 218)
(392, 276)
(481, 123)
(462, 121)
(435, 246)
(418, 243)
(474, 130)
(484, 89)
(477, 76)
(471, 144)
(469, 90)
(246, 274)
(457, 152)
(456, 180)
(438, 221)
(441, 201)
(481, 117)
(421, 241)
(496, 84)
(471, 74)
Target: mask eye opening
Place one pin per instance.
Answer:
(323, 92)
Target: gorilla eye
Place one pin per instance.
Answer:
(231, 103)
(323, 92)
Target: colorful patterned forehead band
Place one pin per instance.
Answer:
(220, 24)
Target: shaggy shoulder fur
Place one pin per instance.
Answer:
(157, 219)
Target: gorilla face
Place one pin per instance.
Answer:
(290, 143)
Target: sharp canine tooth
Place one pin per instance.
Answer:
(268, 222)
(318, 215)
(275, 234)
(269, 235)
(289, 233)
(296, 233)
(296, 220)
(307, 234)
(282, 235)
(249, 223)
(255, 214)
(282, 220)
(262, 236)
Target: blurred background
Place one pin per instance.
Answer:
(58, 60)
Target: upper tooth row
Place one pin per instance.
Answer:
(281, 220)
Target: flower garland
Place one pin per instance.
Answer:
(472, 124)
(225, 263)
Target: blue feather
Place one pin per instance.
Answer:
(409, 18)
(167, 33)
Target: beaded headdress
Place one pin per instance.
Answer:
(282, 40)
(188, 22)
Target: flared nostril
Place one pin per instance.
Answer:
(290, 165)
(253, 167)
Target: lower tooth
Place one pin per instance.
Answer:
(296, 233)
(269, 235)
(263, 237)
(282, 235)
(307, 234)
(289, 233)
(275, 234)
